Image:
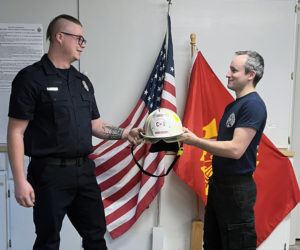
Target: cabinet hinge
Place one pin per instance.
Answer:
(8, 193)
(9, 243)
(296, 8)
(292, 76)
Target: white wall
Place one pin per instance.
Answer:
(123, 41)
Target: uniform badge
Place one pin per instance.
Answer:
(230, 121)
(85, 85)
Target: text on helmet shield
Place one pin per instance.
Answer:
(160, 124)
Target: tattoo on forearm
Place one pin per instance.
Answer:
(112, 133)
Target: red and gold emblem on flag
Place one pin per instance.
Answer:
(211, 132)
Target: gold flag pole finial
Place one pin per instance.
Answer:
(193, 43)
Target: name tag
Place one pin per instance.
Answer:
(52, 89)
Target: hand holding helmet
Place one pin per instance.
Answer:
(188, 137)
(133, 135)
(162, 129)
(162, 124)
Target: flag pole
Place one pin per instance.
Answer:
(197, 224)
(169, 4)
(193, 51)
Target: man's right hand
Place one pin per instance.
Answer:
(24, 194)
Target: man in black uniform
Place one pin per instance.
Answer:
(229, 215)
(52, 117)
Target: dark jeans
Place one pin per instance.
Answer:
(229, 215)
(71, 190)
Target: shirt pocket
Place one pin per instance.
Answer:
(55, 102)
(86, 99)
(53, 95)
(85, 109)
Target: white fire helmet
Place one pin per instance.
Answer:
(162, 124)
(162, 128)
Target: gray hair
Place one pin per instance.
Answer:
(255, 62)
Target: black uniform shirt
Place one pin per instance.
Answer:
(59, 110)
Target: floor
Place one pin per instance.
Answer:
(295, 247)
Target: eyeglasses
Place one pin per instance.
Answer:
(80, 38)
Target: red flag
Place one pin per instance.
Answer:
(277, 189)
(126, 192)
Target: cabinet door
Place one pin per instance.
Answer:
(22, 232)
(2, 161)
(3, 211)
(20, 222)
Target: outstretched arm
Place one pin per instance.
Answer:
(235, 148)
(110, 132)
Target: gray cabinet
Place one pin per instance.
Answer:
(3, 211)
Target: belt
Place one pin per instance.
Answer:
(60, 161)
(234, 179)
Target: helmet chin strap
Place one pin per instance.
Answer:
(179, 153)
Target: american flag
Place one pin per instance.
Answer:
(126, 192)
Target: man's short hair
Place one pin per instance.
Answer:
(51, 27)
(255, 62)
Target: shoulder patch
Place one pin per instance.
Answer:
(230, 121)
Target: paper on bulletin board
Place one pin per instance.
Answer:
(20, 46)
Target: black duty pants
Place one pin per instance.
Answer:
(229, 215)
(71, 190)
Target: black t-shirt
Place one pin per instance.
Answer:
(247, 111)
(59, 110)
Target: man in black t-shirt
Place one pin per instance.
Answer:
(52, 117)
(229, 215)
